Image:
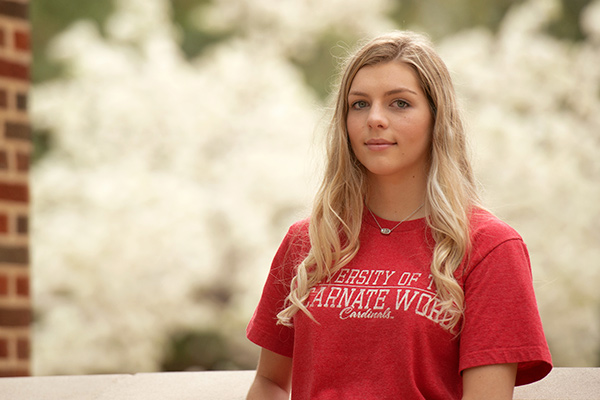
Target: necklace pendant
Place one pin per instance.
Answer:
(385, 231)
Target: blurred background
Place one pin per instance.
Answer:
(175, 141)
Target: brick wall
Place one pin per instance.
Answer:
(15, 150)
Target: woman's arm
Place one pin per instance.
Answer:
(489, 382)
(273, 377)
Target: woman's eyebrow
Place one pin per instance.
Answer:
(388, 93)
(400, 90)
(357, 93)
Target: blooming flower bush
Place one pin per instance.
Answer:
(170, 183)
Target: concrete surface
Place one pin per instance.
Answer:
(561, 384)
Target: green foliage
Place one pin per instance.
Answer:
(42, 143)
(202, 351)
(49, 18)
(194, 37)
(318, 66)
(567, 26)
(439, 18)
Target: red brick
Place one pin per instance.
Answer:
(23, 349)
(3, 98)
(22, 162)
(22, 225)
(13, 373)
(14, 192)
(3, 348)
(3, 160)
(21, 101)
(14, 9)
(14, 255)
(13, 317)
(23, 286)
(14, 70)
(3, 285)
(16, 130)
(3, 223)
(22, 41)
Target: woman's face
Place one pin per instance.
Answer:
(389, 121)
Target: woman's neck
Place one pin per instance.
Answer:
(395, 199)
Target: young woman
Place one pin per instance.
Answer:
(400, 285)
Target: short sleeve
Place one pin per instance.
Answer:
(263, 329)
(501, 321)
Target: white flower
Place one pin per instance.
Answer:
(170, 183)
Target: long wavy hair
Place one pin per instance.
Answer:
(337, 212)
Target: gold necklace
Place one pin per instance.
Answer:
(387, 231)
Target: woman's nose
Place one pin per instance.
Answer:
(377, 118)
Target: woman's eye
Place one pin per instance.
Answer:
(400, 103)
(359, 104)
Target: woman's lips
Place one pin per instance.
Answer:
(379, 144)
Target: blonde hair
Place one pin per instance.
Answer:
(451, 190)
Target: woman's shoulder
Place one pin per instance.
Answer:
(299, 227)
(297, 238)
(486, 226)
(298, 232)
(491, 235)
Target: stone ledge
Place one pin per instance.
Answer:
(562, 383)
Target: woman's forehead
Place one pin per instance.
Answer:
(385, 77)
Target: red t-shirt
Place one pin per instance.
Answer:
(380, 332)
